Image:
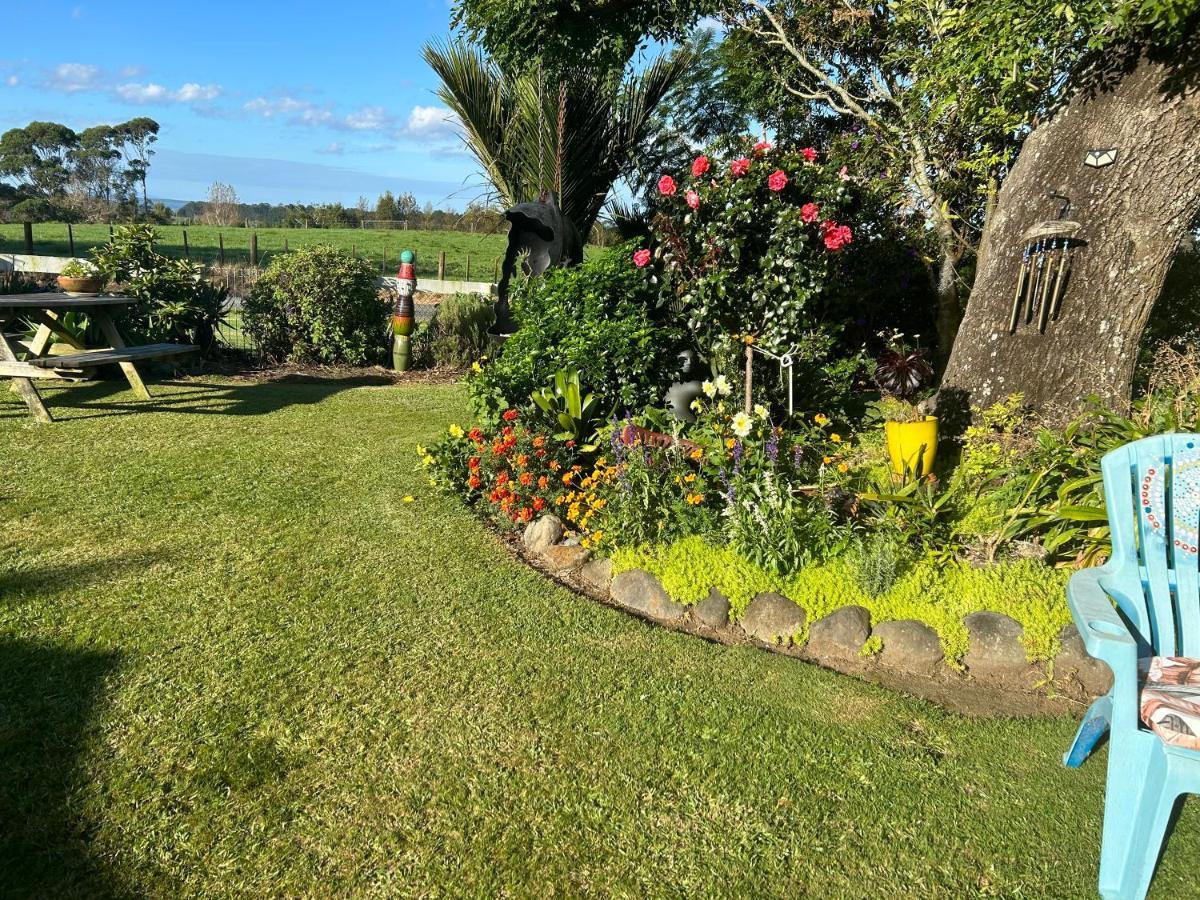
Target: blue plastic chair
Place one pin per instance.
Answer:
(1152, 491)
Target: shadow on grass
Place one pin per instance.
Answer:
(92, 399)
(21, 585)
(47, 696)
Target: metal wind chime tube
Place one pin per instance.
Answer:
(1043, 274)
(786, 364)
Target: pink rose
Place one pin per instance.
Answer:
(699, 166)
(761, 147)
(693, 199)
(809, 154)
(641, 258)
(666, 186)
(809, 213)
(739, 167)
(778, 180)
(843, 174)
(835, 236)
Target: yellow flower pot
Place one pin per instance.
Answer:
(912, 446)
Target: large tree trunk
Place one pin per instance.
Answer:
(1133, 215)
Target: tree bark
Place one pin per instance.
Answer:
(1133, 215)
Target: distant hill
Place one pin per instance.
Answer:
(172, 205)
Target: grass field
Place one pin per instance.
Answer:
(235, 661)
(485, 250)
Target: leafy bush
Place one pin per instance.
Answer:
(318, 304)
(458, 334)
(596, 318)
(174, 302)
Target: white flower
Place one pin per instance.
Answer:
(710, 389)
(761, 411)
(722, 385)
(741, 424)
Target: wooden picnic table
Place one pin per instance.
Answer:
(23, 361)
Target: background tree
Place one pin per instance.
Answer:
(574, 133)
(37, 157)
(139, 136)
(221, 207)
(406, 207)
(385, 207)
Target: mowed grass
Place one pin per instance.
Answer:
(233, 660)
(381, 247)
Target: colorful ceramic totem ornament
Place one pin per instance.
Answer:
(404, 315)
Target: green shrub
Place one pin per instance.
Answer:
(596, 318)
(318, 304)
(458, 335)
(174, 302)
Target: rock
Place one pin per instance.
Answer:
(841, 633)
(639, 590)
(772, 619)
(995, 645)
(1073, 663)
(713, 610)
(597, 574)
(564, 558)
(543, 533)
(908, 646)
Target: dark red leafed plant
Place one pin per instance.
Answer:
(902, 372)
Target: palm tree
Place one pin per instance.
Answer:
(574, 133)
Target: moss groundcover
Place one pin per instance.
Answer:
(233, 659)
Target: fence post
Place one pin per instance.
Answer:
(496, 271)
(285, 247)
(221, 247)
(254, 249)
(187, 251)
(71, 238)
(29, 239)
(441, 265)
(110, 232)
(468, 278)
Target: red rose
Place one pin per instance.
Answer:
(778, 180)
(693, 199)
(835, 236)
(809, 154)
(739, 167)
(641, 258)
(510, 415)
(699, 166)
(809, 213)
(761, 147)
(666, 186)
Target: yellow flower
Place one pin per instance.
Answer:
(842, 467)
(428, 460)
(729, 442)
(697, 453)
(408, 498)
(827, 460)
(476, 367)
(456, 431)
(690, 477)
(821, 419)
(836, 438)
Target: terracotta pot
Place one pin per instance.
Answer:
(912, 446)
(81, 287)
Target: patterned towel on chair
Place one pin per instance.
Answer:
(1171, 699)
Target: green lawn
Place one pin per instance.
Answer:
(381, 247)
(234, 661)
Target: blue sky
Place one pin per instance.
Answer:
(285, 101)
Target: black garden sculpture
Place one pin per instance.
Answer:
(546, 237)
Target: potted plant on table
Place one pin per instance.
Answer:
(80, 278)
(901, 372)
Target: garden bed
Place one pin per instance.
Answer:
(994, 676)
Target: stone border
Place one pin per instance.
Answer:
(998, 679)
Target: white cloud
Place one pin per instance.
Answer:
(72, 77)
(77, 12)
(369, 118)
(431, 122)
(334, 149)
(12, 80)
(156, 93)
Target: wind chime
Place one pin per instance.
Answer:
(1045, 270)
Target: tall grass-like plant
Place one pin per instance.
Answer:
(575, 133)
(459, 332)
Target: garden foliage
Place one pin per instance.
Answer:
(318, 304)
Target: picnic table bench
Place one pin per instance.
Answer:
(24, 361)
